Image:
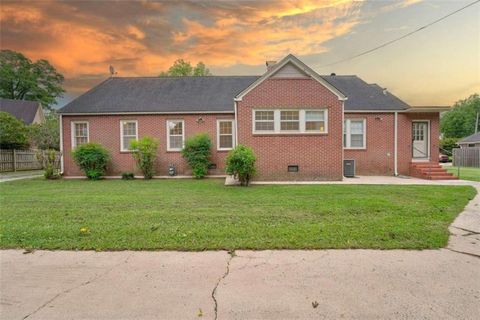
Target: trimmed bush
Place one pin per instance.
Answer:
(92, 158)
(197, 152)
(128, 176)
(145, 154)
(13, 132)
(240, 163)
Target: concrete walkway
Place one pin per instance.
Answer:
(20, 175)
(283, 284)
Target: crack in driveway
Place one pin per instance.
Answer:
(67, 291)
(214, 291)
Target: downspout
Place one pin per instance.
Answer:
(343, 128)
(395, 145)
(61, 145)
(236, 125)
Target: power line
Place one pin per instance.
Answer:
(400, 38)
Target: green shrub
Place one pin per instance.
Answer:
(145, 153)
(240, 163)
(92, 158)
(50, 162)
(447, 144)
(127, 176)
(13, 132)
(197, 152)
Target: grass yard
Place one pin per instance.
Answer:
(204, 214)
(472, 174)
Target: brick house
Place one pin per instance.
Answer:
(301, 126)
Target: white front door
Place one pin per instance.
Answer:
(420, 136)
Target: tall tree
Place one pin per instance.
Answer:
(13, 132)
(182, 68)
(460, 121)
(22, 79)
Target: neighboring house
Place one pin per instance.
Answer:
(29, 112)
(300, 125)
(470, 141)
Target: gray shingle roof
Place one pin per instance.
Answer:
(161, 94)
(364, 96)
(471, 139)
(207, 94)
(20, 109)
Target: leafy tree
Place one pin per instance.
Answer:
(22, 79)
(182, 68)
(460, 121)
(197, 152)
(46, 135)
(241, 164)
(447, 144)
(50, 162)
(92, 158)
(13, 132)
(145, 153)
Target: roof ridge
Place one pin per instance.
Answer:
(177, 77)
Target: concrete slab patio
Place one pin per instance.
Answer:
(284, 284)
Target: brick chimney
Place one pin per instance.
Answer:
(270, 64)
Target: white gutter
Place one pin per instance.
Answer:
(395, 145)
(61, 144)
(236, 126)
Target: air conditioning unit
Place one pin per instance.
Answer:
(349, 168)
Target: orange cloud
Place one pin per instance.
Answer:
(144, 38)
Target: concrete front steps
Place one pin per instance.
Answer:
(430, 171)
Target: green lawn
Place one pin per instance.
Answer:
(204, 214)
(465, 173)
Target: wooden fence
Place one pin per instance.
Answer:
(17, 160)
(466, 157)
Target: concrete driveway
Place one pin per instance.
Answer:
(284, 284)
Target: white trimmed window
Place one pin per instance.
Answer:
(175, 135)
(80, 133)
(264, 120)
(225, 132)
(354, 136)
(315, 121)
(290, 121)
(128, 133)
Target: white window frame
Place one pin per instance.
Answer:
(277, 122)
(122, 147)
(168, 134)
(218, 134)
(287, 121)
(264, 131)
(347, 144)
(72, 130)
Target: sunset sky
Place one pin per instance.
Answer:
(436, 66)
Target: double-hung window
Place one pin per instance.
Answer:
(354, 134)
(290, 120)
(225, 132)
(315, 120)
(175, 135)
(80, 134)
(279, 121)
(264, 120)
(128, 133)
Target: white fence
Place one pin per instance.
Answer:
(466, 157)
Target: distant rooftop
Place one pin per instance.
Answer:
(21, 109)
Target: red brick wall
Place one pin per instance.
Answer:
(106, 130)
(405, 138)
(378, 157)
(319, 157)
